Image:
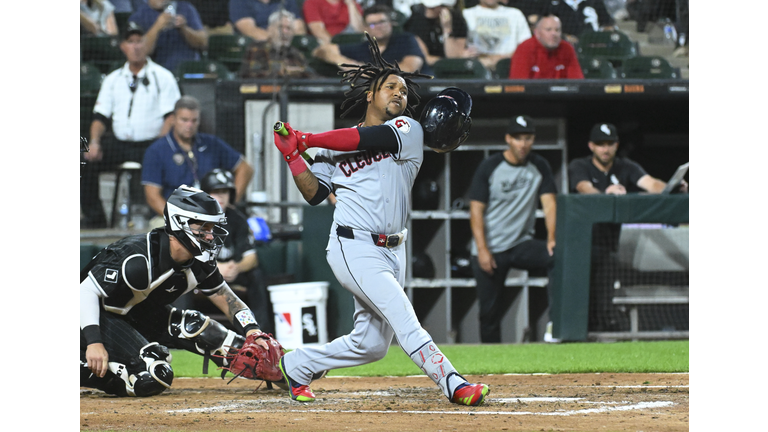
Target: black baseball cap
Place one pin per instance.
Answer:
(131, 29)
(521, 124)
(604, 132)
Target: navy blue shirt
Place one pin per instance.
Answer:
(168, 166)
(171, 48)
(259, 11)
(400, 45)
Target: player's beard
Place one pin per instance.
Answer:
(392, 114)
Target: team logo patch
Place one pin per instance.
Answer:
(403, 125)
(110, 276)
(178, 159)
(245, 317)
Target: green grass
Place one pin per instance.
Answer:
(657, 356)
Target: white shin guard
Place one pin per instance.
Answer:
(436, 365)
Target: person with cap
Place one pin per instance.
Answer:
(604, 172)
(545, 55)
(504, 194)
(135, 102)
(440, 30)
(238, 260)
(175, 32)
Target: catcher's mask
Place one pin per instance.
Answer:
(446, 120)
(219, 179)
(189, 206)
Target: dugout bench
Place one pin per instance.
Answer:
(576, 214)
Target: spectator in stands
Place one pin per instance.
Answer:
(504, 194)
(183, 156)
(495, 31)
(135, 102)
(275, 56)
(127, 6)
(603, 172)
(175, 32)
(214, 15)
(580, 16)
(395, 47)
(546, 54)
(251, 17)
(97, 17)
(401, 6)
(440, 30)
(530, 8)
(327, 18)
(238, 261)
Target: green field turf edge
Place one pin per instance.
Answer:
(483, 359)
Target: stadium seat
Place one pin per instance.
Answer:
(101, 51)
(597, 68)
(614, 46)
(228, 49)
(90, 79)
(198, 70)
(648, 67)
(502, 68)
(348, 38)
(323, 68)
(460, 68)
(305, 43)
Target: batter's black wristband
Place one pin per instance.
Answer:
(92, 334)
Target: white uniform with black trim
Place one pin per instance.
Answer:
(373, 192)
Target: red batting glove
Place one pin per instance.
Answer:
(288, 146)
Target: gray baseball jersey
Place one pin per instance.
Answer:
(511, 194)
(373, 189)
(373, 192)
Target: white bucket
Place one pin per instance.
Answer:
(300, 315)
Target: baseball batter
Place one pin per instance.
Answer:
(370, 169)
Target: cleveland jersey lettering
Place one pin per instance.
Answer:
(361, 160)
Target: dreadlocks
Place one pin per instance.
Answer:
(365, 77)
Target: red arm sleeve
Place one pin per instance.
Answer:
(346, 139)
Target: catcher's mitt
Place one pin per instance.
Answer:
(254, 362)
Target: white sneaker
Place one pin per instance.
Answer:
(548, 334)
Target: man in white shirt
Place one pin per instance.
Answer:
(495, 31)
(136, 102)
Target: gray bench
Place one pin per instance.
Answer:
(634, 296)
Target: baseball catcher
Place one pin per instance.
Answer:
(127, 323)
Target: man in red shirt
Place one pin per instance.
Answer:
(546, 54)
(327, 18)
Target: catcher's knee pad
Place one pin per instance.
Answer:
(151, 374)
(209, 336)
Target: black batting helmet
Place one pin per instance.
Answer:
(446, 120)
(218, 178)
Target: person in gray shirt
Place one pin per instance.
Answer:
(504, 196)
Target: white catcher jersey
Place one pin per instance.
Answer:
(373, 189)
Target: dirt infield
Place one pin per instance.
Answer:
(567, 402)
